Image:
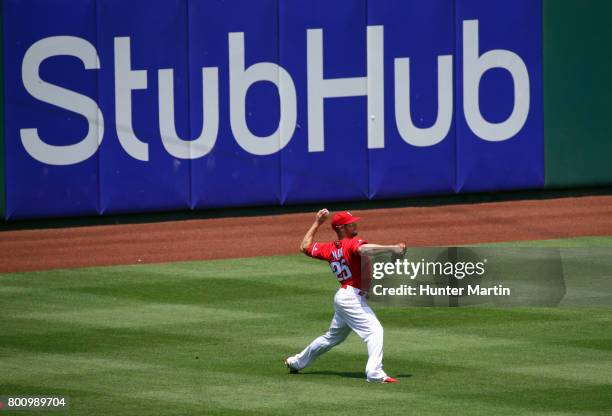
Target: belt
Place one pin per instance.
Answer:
(357, 291)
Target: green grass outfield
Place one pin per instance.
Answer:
(210, 337)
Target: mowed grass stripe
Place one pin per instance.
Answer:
(209, 338)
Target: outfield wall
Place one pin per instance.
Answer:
(114, 106)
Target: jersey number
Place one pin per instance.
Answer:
(341, 270)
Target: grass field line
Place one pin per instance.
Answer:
(68, 364)
(583, 372)
(146, 315)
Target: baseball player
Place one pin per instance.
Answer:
(351, 310)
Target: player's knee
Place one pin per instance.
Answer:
(378, 331)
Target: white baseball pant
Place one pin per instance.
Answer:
(352, 313)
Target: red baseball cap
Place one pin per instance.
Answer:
(343, 218)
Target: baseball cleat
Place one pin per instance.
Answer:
(292, 370)
(390, 380)
(385, 380)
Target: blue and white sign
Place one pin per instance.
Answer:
(115, 106)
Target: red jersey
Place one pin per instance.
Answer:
(343, 258)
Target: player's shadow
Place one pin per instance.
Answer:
(347, 374)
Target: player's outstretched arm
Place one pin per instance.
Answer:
(370, 249)
(320, 219)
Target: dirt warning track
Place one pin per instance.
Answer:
(27, 250)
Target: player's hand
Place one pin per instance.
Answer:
(322, 215)
(398, 252)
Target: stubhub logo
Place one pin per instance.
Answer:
(475, 61)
